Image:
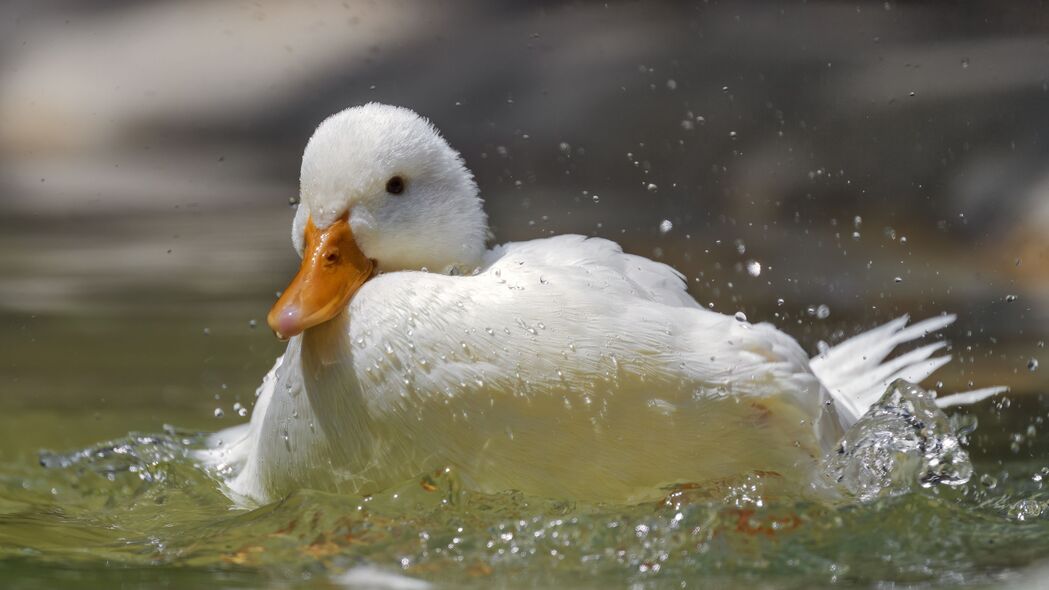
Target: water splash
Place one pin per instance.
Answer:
(146, 456)
(904, 440)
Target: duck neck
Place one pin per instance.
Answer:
(334, 391)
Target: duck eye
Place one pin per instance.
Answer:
(395, 185)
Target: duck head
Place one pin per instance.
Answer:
(380, 191)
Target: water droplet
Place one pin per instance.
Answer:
(753, 268)
(219, 413)
(779, 302)
(1011, 298)
(652, 187)
(665, 226)
(898, 279)
(741, 248)
(1032, 365)
(741, 317)
(597, 199)
(823, 312)
(965, 63)
(252, 324)
(1027, 509)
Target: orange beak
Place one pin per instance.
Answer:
(333, 269)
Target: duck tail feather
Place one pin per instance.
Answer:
(854, 372)
(969, 397)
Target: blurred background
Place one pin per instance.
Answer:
(825, 166)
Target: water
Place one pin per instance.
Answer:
(138, 510)
(903, 440)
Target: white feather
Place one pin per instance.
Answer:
(564, 368)
(969, 397)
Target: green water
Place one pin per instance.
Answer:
(99, 521)
(135, 512)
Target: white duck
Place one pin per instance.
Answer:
(559, 367)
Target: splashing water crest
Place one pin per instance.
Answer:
(902, 441)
